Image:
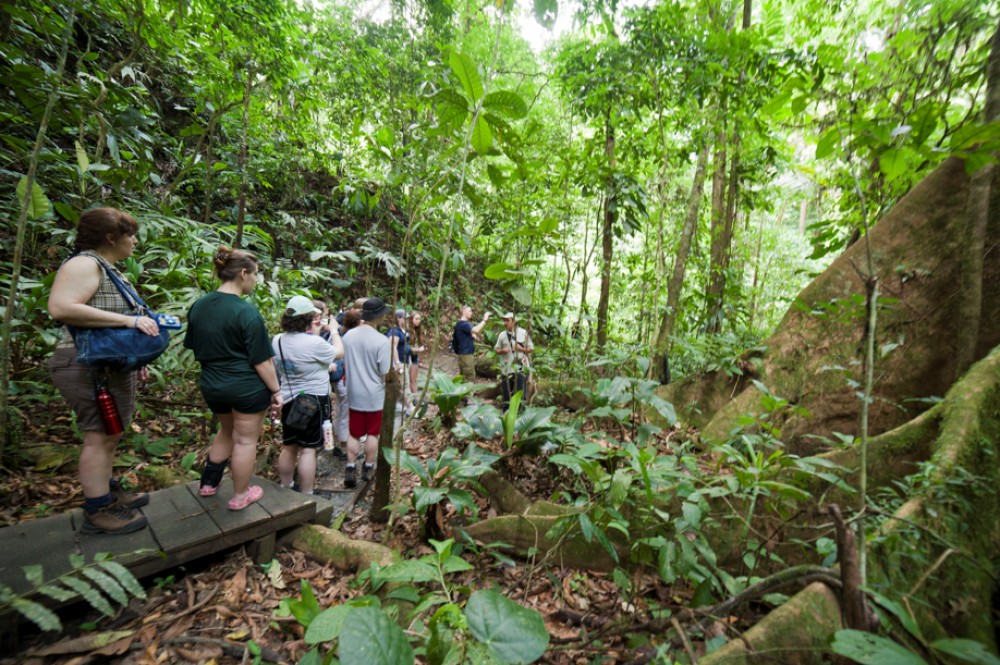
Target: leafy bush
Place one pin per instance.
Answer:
(488, 628)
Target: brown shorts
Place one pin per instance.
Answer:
(75, 382)
(467, 367)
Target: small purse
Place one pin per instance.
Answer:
(304, 411)
(119, 349)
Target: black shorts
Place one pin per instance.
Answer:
(253, 404)
(312, 435)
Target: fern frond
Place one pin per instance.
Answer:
(90, 594)
(78, 561)
(57, 592)
(124, 577)
(33, 574)
(107, 584)
(37, 613)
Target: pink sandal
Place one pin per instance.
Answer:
(208, 490)
(241, 501)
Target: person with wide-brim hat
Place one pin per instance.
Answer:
(513, 347)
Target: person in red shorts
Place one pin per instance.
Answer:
(367, 360)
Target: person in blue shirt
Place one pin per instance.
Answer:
(465, 347)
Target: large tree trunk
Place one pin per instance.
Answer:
(660, 365)
(713, 294)
(980, 193)
(812, 358)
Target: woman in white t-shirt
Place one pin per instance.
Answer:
(303, 360)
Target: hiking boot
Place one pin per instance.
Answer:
(130, 500)
(113, 518)
(125, 498)
(366, 472)
(349, 480)
(339, 453)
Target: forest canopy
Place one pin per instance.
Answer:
(744, 237)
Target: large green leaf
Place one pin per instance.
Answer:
(409, 570)
(521, 293)
(499, 271)
(828, 142)
(82, 161)
(425, 497)
(506, 103)
(893, 163)
(534, 418)
(369, 637)
(482, 137)
(38, 204)
(870, 649)
(968, 650)
(483, 419)
(465, 70)
(326, 625)
(513, 634)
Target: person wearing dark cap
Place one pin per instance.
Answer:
(367, 360)
(513, 348)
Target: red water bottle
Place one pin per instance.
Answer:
(109, 412)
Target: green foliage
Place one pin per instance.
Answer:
(512, 633)
(86, 581)
(630, 495)
(438, 627)
(448, 393)
(443, 478)
(873, 649)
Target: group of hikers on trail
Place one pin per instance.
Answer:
(314, 362)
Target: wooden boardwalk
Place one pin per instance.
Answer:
(183, 526)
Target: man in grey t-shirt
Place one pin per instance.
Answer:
(367, 359)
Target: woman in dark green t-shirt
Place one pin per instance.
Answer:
(238, 380)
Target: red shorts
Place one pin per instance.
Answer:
(360, 423)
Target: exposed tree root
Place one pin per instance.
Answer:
(332, 547)
(959, 502)
(529, 533)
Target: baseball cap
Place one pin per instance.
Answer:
(300, 306)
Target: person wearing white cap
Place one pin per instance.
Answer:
(513, 347)
(303, 359)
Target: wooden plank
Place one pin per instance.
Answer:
(278, 500)
(183, 526)
(47, 542)
(179, 519)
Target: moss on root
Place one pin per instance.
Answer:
(938, 551)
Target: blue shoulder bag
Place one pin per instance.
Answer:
(121, 349)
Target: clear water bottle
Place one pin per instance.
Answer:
(110, 418)
(327, 435)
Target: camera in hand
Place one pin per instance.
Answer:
(168, 322)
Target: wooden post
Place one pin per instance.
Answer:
(383, 475)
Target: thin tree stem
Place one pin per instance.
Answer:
(22, 220)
